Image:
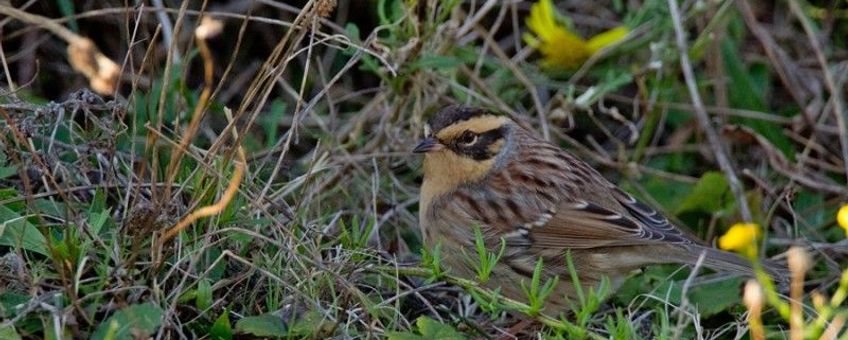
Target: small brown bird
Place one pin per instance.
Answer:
(483, 170)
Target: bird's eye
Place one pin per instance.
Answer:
(468, 138)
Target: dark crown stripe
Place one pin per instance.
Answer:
(454, 114)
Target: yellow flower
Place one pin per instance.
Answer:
(607, 38)
(741, 238)
(842, 218)
(559, 46)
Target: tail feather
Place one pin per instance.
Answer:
(724, 261)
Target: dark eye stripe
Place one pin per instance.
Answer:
(479, 150)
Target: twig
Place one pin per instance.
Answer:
(167, 27)
(216, 208)
(83, 54)
(170, 56)
(6, 69)
(201, 34)
(684, 298)
(207, 29)
(45, 23)
(835, 91)
(783, 66)
(523, 79)
(703, 118)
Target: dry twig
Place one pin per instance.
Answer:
(703, 118)
(102, 72)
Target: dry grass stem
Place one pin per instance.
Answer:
(703, 119)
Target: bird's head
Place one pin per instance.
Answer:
(462, 144)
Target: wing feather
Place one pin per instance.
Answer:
(585, 225)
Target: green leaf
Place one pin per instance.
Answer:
(50, 331)
(612, 80)
(133, 320)
(16, 231)
(432, 259)
(656, 280)
(404, 336)
(807, 205)
(352, 31)
(312, 323)
(203, 299)
(98, 202)
(668, 194)
(9, 333)
(435, 62)
(265, 325)
(51, 208)
(389, 11)
(433, 329)
(670, 291)
(710, 299)
(717, 297)
(66, 7)
(221, 329)
(98, 219)
(270, 121)
(428, 329)
(220, 269)
(9, 303)
(748, 89)
(8, 171)
(710, 194)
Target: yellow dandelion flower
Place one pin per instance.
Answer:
(559, 46)
(607, 38)
(741, 238)
(842, 218)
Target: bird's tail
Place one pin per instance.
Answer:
(724, 261)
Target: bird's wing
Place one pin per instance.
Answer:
(649, 217)
(584, 225)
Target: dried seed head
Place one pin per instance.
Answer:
(325, 8)
(798, 260)
(818, 299)
(753, 296)
(102, 72)
(209, 27)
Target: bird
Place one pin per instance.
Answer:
(484, 172)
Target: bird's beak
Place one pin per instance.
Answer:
(427, 145)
